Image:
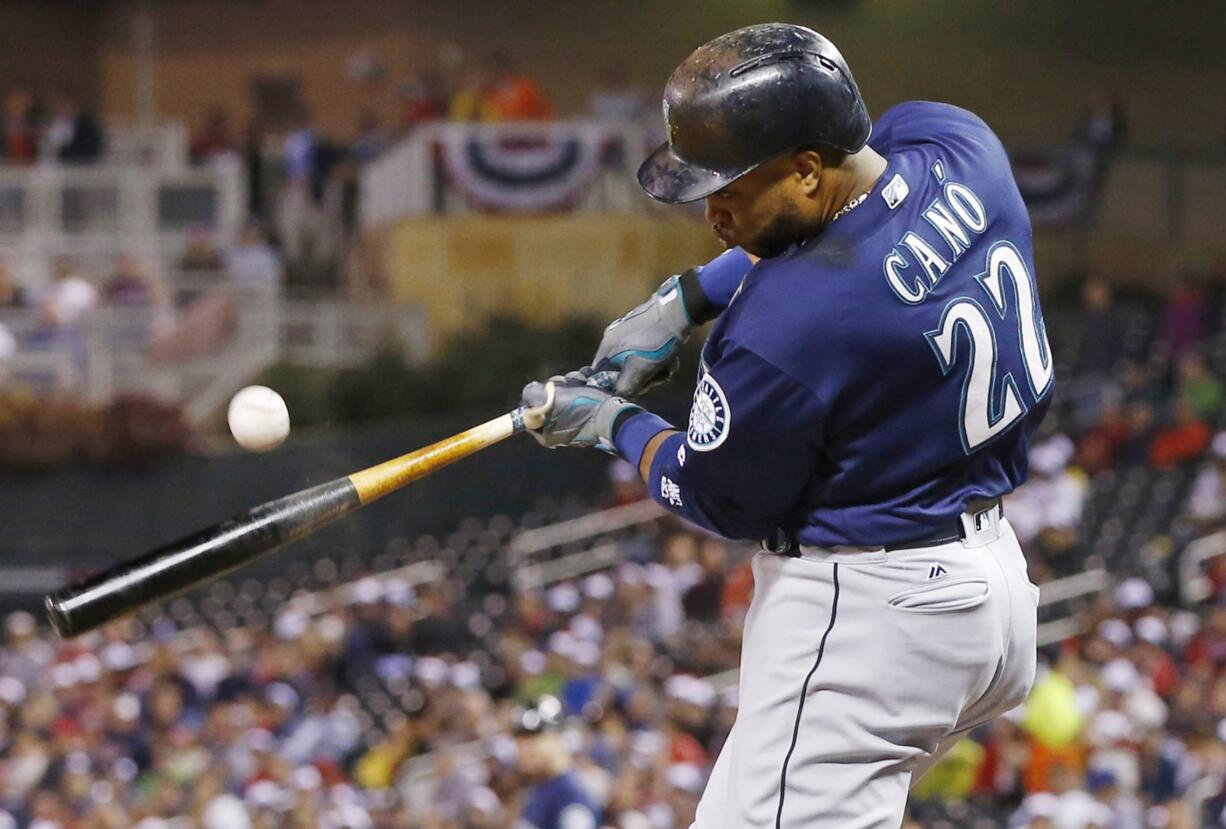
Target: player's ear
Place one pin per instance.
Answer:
(809, 168)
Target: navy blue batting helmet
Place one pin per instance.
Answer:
(747, 97)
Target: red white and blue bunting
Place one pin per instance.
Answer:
(521, 174)
(1058, 185)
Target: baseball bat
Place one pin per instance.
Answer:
(214, 551)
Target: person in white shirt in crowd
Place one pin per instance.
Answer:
(69, 299)
(253, 262)
(670, 580)
(1207, 501)
(64, 307)
(1049, 506)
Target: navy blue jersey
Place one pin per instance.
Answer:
(864, 386)
(560, 803)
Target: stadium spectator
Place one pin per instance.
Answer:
(200, 254)
(513, 95)
(703, 600)
(369, 140)
(469, 100)
(1049, 507)
(132, 284)
(297, 210)
(253, 262)
(1184, 439)
(1098, 445)
(69, 299)
(1207, 500)
(20, 128)
(12, 295)
(626, 482)
(73, 134)
(1181, 325)
(421, 103)
(1098, 352)
(1137, 433)
(1198, 388)
(214, 142)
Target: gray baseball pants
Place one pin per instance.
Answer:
(860, 667)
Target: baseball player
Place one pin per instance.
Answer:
(877, 361)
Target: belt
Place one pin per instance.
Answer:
(782, 542)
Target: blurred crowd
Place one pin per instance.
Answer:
(391, 704)
(164, 318)
(58, 128)
(272, 726)
(313, 166)
(1143, 390)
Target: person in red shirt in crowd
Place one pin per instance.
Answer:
(1097, 448)
(20, 135)
(1185, 439)
(514, 96)
(420, 102)
(1208, 647)
(215, 139)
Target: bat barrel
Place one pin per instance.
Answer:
(188, 562)
(207, 554)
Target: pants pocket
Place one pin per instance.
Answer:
(942, 596)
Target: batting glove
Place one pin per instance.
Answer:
(641, 349)
(583, 415)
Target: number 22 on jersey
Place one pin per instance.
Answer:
(987, 412)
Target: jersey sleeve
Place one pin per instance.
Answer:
(751, 447)
(718, 281)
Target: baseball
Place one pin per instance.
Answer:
(258, 418)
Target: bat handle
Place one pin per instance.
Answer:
(533, 418)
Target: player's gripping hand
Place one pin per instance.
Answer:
(583, 415)
(642, 348)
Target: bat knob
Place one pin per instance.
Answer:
(59, 619)
(534, 417)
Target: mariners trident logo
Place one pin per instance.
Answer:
(709, 415)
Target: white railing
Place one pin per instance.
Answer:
(1194, 585)
(165, 145)
(448, 167)
(529, 542)
(49, 211)
(200, 353)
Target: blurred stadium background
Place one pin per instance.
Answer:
(396, 213)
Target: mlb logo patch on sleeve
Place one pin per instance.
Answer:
(710, 418)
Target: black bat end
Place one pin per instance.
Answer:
(60, 620)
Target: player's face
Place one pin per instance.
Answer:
(765, 210)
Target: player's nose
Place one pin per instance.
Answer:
(717, 215)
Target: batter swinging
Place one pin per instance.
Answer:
(864, 402)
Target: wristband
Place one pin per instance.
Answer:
(632, 433)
